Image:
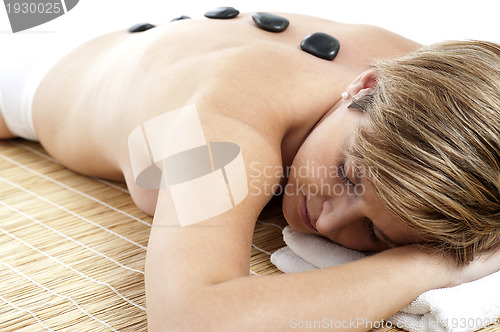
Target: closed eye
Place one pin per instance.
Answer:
(343, 175)
(371, 232)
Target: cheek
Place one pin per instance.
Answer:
(309, 163)
(312, 146)
(314, 152)
(325, 145)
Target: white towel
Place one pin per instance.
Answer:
(464, 308)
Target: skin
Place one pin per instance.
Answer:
(347, 203)
(260, 91)
(290, 103)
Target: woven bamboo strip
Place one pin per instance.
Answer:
(72, 248)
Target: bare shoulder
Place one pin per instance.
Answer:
(382, 43)
(219, 158)
(226, 180)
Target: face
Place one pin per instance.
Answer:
(329, 196)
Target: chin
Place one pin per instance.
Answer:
(285, 208)
(288, 211)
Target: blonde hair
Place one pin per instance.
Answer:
(433, 139)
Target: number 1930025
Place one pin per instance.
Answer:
(34, 8)
(471, 323)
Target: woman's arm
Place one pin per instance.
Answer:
(197, 276)
(197, 279)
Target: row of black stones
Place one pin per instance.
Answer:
(319, 44)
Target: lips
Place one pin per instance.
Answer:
(305, 215)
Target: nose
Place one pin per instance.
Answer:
(335, 215)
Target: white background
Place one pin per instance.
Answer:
(425, 21)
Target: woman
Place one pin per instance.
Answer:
(353, 142)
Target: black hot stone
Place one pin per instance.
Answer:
(222, 12)
(182, 17)
(139, 27)
(270, 22)
(321, 45)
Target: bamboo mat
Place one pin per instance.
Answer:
(72, 248)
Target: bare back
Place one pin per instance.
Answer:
(94, 97)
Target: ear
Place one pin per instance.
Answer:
(363, 83)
